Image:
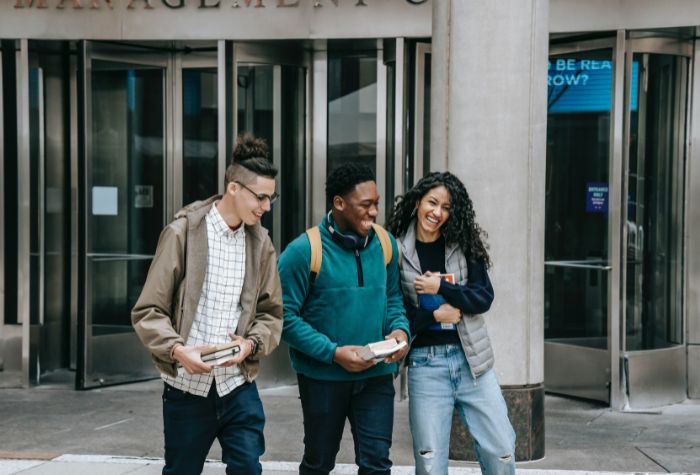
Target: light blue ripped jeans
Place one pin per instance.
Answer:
(439, 379)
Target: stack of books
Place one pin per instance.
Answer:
(380, 349)
(221, 354)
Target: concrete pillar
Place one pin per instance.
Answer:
(693, 237)
(488, 127)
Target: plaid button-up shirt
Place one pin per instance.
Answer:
(219, 307)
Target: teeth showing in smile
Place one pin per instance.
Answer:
(431, 220)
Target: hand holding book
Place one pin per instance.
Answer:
(380, 349)
(427, 287)
(217, 355)
(429, 283)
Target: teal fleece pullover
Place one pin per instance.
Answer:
(345, 305)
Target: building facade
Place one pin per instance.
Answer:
(571, 123)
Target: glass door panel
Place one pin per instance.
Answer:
(577, 263)
(36, 213)
(49, 220)
(257, 87)
(655, 203)
(271, 104)
(125, 211)
(352, 108)
(293, 151)
(200, 134)
(653, 343)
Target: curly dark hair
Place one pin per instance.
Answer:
(344, 178)
(461, 226)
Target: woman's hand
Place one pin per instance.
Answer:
(428, 283)
(446, 313)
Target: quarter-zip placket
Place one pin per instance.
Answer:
(358, 261)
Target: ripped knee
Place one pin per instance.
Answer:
(506, 458)
(426, 457)
(427, 454)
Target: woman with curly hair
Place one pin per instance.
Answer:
(446, 290)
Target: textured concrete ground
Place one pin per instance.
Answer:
(53, 420)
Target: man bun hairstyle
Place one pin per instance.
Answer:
(343, 179)
(249, 146)
(251, 158)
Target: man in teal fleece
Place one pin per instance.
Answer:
(355, 299)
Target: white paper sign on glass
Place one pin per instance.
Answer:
(104, 200)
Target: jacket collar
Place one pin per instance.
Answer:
(219, 225)
(198, 210)
(196, 260)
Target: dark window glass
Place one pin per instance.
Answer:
(352, 109)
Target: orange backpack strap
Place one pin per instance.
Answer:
(314, 235)
(385, 241)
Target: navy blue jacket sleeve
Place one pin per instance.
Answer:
(418, 318)
(475, 296)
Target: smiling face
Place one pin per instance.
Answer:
(357, 210)
(246, 205)
(432, 212)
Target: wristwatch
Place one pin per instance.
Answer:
(254, 350)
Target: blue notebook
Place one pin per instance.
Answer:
(432, 302)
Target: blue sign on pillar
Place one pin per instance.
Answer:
(596, 197)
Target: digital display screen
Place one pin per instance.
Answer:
(584, 85)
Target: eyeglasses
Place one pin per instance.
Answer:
(262, 197)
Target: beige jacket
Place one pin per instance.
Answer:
(165, 310)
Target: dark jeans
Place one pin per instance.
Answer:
(191, 423)
(368, 405)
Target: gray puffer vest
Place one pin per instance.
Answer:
(471, 328)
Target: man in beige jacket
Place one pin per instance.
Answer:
(214, 279)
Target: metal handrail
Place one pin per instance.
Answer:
(104, 256)
(581, 264)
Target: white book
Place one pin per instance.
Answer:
(221, 353)
(380, 349)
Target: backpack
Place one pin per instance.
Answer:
(314, 235)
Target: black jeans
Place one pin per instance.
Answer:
(191, 423)
(369, 406)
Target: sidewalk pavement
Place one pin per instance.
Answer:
(54, 429)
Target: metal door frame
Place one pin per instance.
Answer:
(611, 354)
(276, 56)
(319, 129)
(623, 49)
(2, 203)
(400, 116)
(181, 62)
(24, 208)
(34, 351)
(120, 55)
(422, 50)
(638, 367)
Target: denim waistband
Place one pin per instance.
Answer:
(448, 349)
